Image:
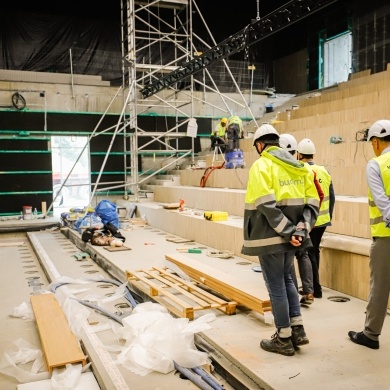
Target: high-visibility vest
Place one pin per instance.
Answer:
(325, 180)
(275, 183)
(220, 130)
(291, 187)
(378, 226)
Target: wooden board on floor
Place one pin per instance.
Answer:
(59, 344)
(227, 285)
(179, 240)
(179, 296)
(117, 248)
(12, 244)
(171, 206)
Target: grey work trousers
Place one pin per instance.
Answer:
(305, 271)
(379, 287)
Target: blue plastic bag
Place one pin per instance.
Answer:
(107, 212)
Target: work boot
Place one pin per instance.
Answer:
(277, 344)
(307, 299)
(298, 336)
(361, 339)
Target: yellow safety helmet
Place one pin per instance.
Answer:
(224, 120)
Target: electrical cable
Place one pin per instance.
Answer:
(208, 172)
(18, 101)
(192, 377)
(207, 378)
(101, 310)
(127, 295)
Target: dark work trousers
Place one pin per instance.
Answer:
(233, 135)
(314, 256)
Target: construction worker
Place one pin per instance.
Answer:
(218, 135)
(378, 180)
(281, 207)
(306, 150)
(289, 143)
(234, 132)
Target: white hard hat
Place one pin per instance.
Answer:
(379, 129)
(288, 142)
(264, 130)
(306, 146)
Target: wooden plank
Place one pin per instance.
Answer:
(171, 206)
(155, 290)
(59, 344)
(179, 240)
(4, 244)
(117, 248)
(167, 289)
(227, 285)
(179, 287)
(228, 307)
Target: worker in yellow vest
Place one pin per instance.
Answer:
(306, 150)
(289, 143)
(281, 207)
(218, 135)
(378, 180)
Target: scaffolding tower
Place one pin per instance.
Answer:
(157, 38)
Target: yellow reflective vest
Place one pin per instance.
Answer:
(280, 195)
(220, 130)
(378, 226)
(325, 180)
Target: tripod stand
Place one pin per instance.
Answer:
(218, 150)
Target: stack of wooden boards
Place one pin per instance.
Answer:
(183, 298)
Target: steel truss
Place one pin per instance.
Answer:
(259, 29)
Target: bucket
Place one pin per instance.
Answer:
(27, 212)
(202, 163)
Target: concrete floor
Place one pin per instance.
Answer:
(331, 360)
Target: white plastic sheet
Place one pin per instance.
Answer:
(155, 339)
(66, 379)
(26, 353)
(24, 311)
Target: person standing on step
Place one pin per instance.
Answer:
(234, 132)
(306, 150)
(378, 180)
(289, 143)
(281, 207)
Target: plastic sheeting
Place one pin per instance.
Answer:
(45, 43)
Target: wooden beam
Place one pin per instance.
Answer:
(59, 344)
